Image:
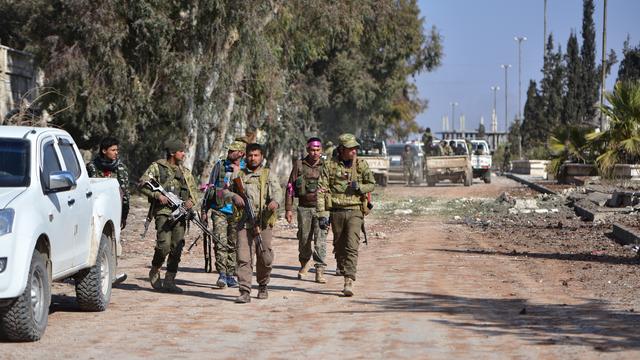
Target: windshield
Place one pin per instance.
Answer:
(14, 162)
(396, 149)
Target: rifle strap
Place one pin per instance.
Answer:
(264, 191)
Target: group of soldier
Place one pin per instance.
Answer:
(242, 200)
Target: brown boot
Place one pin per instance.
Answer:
(320, 275)
(304, 269)
(262, 292)
(169, 284)
(243, 298)
(348, 287)
(154, 278)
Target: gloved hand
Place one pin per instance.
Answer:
(354, 186)
(323, 223)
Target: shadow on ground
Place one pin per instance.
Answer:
(592, 323)
(587, 257)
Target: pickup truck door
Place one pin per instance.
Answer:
(80, 201)
(56, 211)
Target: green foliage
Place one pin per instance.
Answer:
(532, 133)
(568, 143)
(572, 111)
(620, 143)
(629, 69)
(590, 77)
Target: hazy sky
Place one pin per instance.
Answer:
(479, 36)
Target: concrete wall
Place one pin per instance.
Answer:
(18, 79)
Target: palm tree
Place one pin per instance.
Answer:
(621, 142)
(568, 143)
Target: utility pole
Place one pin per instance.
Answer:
(604, 65)
(506, 97)
(520, 39)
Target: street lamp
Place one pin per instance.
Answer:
(520, 39)
(494, 89)
(506, 97)
(453, 115)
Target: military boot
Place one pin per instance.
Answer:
(320, 275)
(154, 278)
(222, 281)
(170, 283)
(348, 287)
(262, 292)
(243, 298)
(338, 272)
(304, 269)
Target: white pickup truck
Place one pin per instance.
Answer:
(481, 160)
(55, 223)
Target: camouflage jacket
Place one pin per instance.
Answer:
(303, 183)
(96, 169)
(173, 178)
(261, 188)
(335, 178)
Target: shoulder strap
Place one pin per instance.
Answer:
(264, 177)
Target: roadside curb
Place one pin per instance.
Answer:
(625, 235)
(532, 185)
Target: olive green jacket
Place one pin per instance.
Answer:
(259, 196)
(173, 178)
(334, 182)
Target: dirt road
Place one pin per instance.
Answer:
(426, 289)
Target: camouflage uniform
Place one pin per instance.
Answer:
(408, 166)
(100, 168)
(303, 184)
(346, 204)
(170, 237)
(224, 222)
(261, 188)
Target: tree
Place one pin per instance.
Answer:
(590, 77)
(482, 131)
(533, 134)
(572, 111)
(552, 88)
(629, 69)
(621, 141)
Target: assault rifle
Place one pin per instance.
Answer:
(248, 211)
(177, 205)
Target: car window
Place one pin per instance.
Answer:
(69, 157)
(395, 150)
(50, 162)
(14, 162)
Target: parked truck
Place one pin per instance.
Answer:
(55, 223)
(481, 160)
(374, 152)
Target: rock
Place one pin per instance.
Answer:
(457, 218)
(513, 211)
(525, 211)
(505, 198)
(541, 211)
(526, 204)
(402, 212)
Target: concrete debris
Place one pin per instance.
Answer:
(526, 204)
(505, 197)
(402, 212)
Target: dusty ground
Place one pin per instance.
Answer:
(441, 279)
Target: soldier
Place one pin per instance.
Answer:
(446, 149)
(177, 179)
(224, 224)
(345, 182)
(506, 163)
(407, 164)
(303, 184)
(427, 139)
(107, 164)
(264, 192)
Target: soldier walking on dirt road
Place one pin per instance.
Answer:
(408, 162)
(264, 194)
(224, 223)
(303, 184)
(178, 180)
(107, 164)
(344, 183)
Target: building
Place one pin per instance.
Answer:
(18, 79)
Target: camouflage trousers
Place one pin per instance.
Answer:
(246, 248)
(408, 174)
(346, 226)
(169, 242)
(225, 238)
(308, 232)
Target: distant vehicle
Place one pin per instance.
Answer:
(374, 152)
(396, 171)
(481, 160)
(456, 168)
(55, 223)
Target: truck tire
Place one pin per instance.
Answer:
(486, 177)
(26, 318)
(468, 178)
(431, 181)
(93, 285)
(384, 180)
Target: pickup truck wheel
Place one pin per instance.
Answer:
(486, 177)
(430, 182)
(26, 318)
(93, 285)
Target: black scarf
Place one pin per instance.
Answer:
(103, 163)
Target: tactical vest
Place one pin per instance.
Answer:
(267, 217)
(173, 180)
(339, 182)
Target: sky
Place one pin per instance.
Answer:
(478, 36)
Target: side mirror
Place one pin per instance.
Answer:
(60, 181)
